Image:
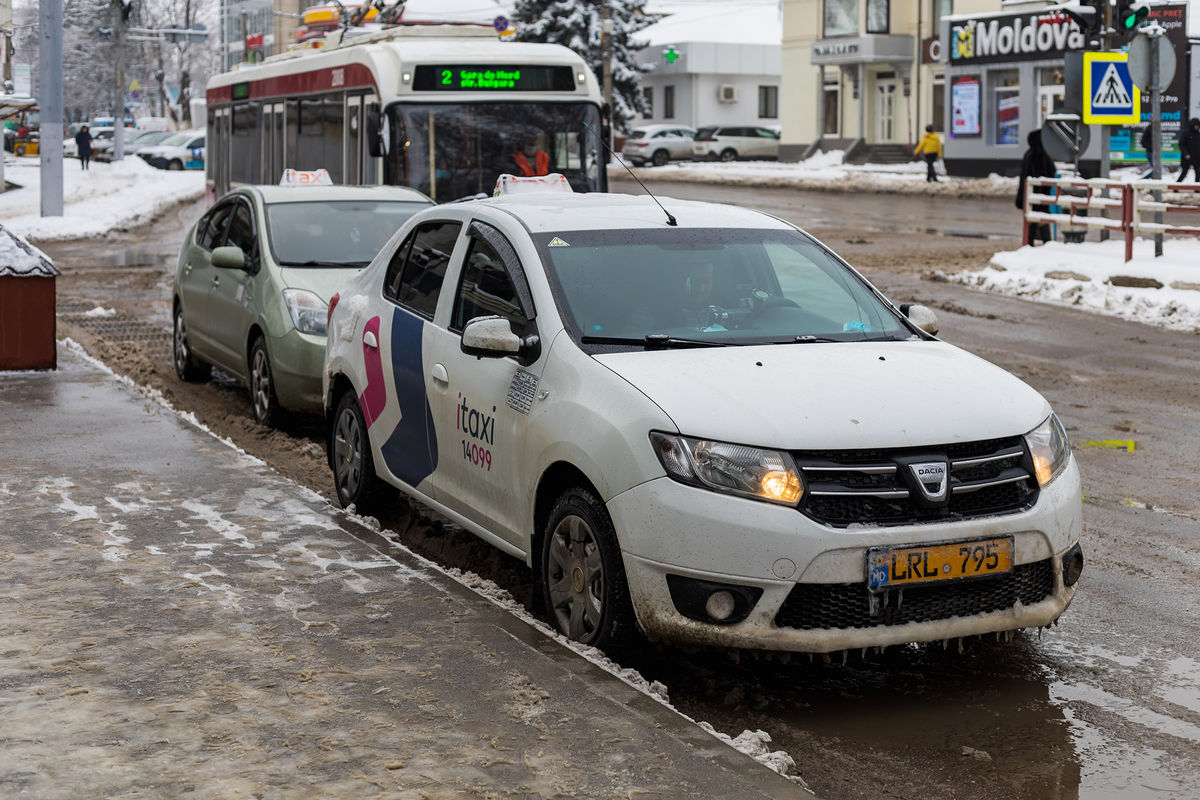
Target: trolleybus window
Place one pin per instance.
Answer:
(450, 150)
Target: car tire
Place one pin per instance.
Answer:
(584, 590)
(728, 154)
(660, 158)
(187, 366)
(19, 151)
(350, 457)
(174, 165)
(263, 402)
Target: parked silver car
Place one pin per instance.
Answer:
(658, 144)
(731, 142)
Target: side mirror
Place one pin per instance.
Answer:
(230, 257)
(921, 316)
(492, 337)
(377, 134)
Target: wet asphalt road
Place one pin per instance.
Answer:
(1107, 704)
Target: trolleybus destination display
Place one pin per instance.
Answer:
(496, 77)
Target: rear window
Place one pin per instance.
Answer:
(637, 134)
(705, 133)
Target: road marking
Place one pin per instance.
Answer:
(1116, 444)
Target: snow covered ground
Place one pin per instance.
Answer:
(1094, 276)
(105, 197)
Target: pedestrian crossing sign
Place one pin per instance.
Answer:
(1109, 96)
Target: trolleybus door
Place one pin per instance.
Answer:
(221, 148)
(359, 168)
(273, 155)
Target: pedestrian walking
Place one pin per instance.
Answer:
(83, 144)
(931, 146)
(1037, 163)
(1189, 150)
(1148, 145)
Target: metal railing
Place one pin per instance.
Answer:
(1087, 204)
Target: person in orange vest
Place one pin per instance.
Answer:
(931, 147)
(530, 160)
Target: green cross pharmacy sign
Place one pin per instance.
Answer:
(671, 54)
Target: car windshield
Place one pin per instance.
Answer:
(468, 146)
(150, 138)
(334, 233)
(177, 140)
(715, 286)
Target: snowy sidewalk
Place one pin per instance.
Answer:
(106, 197)
(1164, 292)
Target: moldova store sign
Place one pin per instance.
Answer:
(1018, 37)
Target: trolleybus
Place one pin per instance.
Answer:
(443, 109)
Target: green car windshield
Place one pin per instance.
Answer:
(711, 286)
(336, 233)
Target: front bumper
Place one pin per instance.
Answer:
(297, 360)
(800, 567)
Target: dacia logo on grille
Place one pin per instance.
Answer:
(933, 479)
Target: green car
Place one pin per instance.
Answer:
(254, 280)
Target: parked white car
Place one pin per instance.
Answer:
(731, 142)
(183, 150)
(699, 422)
(658, 144)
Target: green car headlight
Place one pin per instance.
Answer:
(1050, 449)
(753, 472)
(309, 312)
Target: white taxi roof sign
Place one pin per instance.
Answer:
(295, 177)
(512, 184)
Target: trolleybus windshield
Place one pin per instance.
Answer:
(455, 150)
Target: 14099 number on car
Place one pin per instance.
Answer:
(902, 566)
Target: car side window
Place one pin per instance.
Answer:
(212, 228)
(194, 143)
(487, 287)
(424, 257)
(241, 229)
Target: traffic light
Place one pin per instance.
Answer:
(1087, 14)
(1130, 14)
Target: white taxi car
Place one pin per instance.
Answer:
(701, 422)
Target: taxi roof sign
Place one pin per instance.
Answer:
(511, 184)
(295, 177)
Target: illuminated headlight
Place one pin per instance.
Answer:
(309, 312)
(768, 475)
(1050, 449)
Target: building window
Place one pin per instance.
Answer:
(668, 102)
(648, 96)
(1006, 94)
(830, 99)
(768, 102)
(939, 104)
(840, 17)
(877, 16)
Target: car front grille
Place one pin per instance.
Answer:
(820, 606)
(872, 487)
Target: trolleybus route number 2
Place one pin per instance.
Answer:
(483, 79)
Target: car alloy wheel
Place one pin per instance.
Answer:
(661, 157)
(175, 164)
(262, 387)
(186, 366)
(583, 583)
(728, 154)
(350, 456)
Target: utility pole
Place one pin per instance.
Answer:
(606, 30)
(50, 102)
(6, 32)
(1156, 129)
(245, 49)
(123, 7)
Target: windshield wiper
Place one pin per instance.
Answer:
(312, 263)
(653, 341)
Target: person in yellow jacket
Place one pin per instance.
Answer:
(931, 146)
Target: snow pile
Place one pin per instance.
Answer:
(754, 744)
(827, 171)
(754, 23)
(19, 257)
(1158, 291)
(105, 197)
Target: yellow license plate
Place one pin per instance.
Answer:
(903, 566)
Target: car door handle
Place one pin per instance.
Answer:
(438, 373)
(370, 341)
(216, 281)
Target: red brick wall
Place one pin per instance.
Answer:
(27, 324)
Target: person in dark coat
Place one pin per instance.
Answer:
(1189, 150)
(83, 143)
(1037, 163)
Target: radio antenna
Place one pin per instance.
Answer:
(670, 219)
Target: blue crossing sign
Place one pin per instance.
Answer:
(1109, 96)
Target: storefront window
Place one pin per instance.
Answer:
(841, 17)
(1006, 94)
(831, 108)
(877, 16)
(939, 104)
(964, 105)
(1051, 91)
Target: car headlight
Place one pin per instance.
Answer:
(753, 472)
(309, 312)
(1050, 449)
